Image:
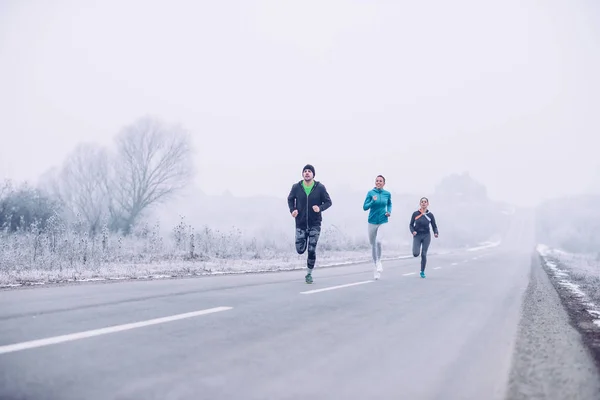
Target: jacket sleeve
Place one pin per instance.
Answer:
(433, 224)
(368, 201)
(389, 203)
(411, 223)
(292, 198)
(325, 199)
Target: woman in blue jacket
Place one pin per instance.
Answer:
(379, 202)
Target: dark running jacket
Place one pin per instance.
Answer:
(298, 200)
(420, 222)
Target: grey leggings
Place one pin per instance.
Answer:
(418, 240)
(375, 241)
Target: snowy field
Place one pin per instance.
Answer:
(578, 275)
(63, 255)
(181, 268)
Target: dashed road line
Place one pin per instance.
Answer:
(335, 287)
(103, 331)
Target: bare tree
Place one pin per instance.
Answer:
(82, 184)
(153, 162)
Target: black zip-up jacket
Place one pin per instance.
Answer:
(421, 224)
(298, 200)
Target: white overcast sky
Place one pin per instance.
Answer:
(507, 90)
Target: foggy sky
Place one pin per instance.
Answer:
(507, 91)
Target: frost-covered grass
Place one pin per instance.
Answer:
(172, 269)
(60, 253)
(577, 273)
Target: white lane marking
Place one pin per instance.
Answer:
(336, 287)
(103, 331)
(437, 267)
(454, 263)
(410, 273)
(474, 258)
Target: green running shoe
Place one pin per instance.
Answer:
(308, 278)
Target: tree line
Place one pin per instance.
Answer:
(100, 187)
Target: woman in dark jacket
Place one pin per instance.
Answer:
(419, 227)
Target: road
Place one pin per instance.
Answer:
(450, 336)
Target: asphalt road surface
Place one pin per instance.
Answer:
(458, 334)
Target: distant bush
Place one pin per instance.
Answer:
(465, 214)
(24, 207)
(470, 223)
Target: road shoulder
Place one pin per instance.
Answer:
(550, 360)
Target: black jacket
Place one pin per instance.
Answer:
(298, 200)
(421, 225)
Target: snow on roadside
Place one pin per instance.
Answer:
(484, 245)
(550, 255)
(543, 250)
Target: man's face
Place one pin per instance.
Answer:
(308, 175)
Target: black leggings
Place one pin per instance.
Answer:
(308, 239)
(418, 240)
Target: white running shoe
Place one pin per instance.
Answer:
(379, 266)
(377, 275)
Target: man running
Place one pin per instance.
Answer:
(419, 227)
(306, 201)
